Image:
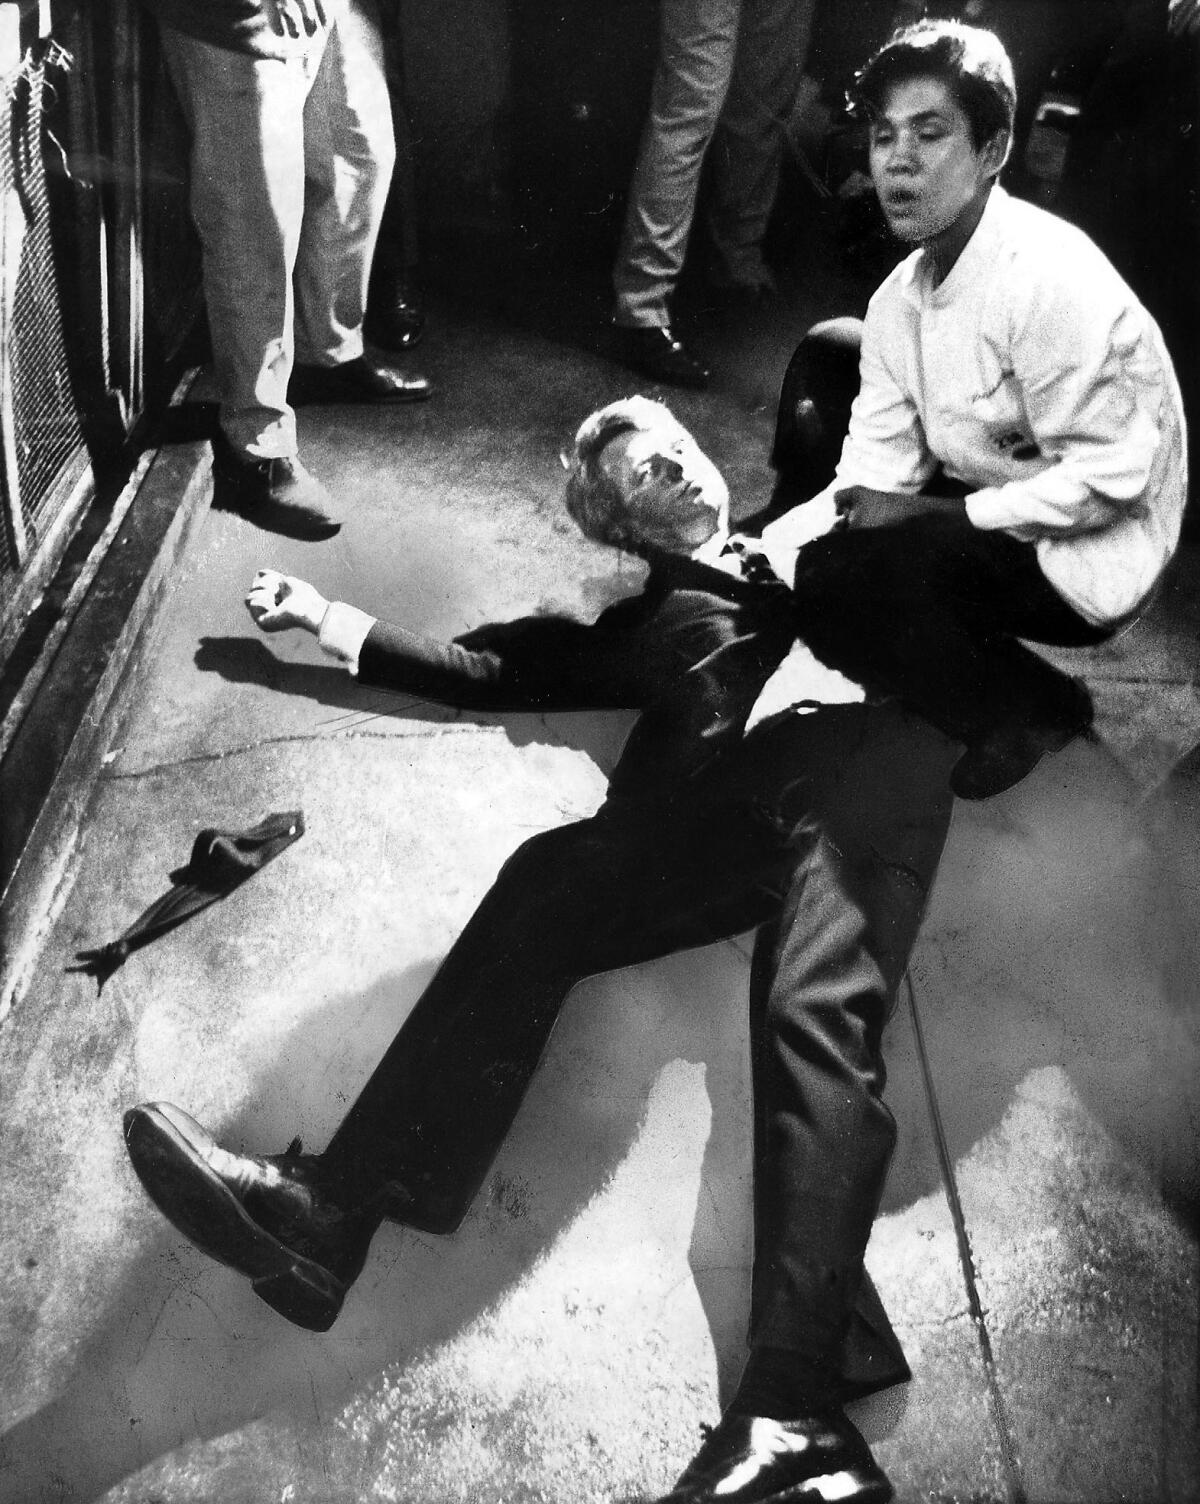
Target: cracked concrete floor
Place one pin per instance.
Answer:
(568, 1341)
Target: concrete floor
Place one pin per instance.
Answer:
(567, 1342)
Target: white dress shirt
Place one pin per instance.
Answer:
(1032, 374)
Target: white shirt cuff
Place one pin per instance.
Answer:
(343, 631)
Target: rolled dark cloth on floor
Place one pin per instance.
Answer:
(221, 860)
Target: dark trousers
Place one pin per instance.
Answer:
(930, 608)
(824, 831)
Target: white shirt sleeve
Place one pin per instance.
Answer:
(343, 631)
(1092, 389)
(885, 448)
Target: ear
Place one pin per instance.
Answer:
(995, 151)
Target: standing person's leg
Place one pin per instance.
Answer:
(395, 312)
(697, 45)
(349, 153)
(748, 145)
(246, 117)
(621, 888)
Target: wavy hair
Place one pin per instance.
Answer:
(593, 498)
(971, 62)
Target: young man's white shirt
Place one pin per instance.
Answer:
(1033, 375)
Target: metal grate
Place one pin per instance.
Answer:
(41, 428)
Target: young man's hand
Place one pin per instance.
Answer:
(279, 601)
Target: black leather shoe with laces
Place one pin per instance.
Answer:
(751, 1459)
(276, 494)
(270, 1218)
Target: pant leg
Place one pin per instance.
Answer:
(626, 886)
(349, 154)
(398, 250)
(748, 145)
(932, 610)
(246, 117)
(697, 44)
(867, 821)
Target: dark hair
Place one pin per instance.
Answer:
(972, 63)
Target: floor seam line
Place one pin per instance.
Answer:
(1014, 1480)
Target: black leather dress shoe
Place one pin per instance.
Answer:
(268, 1218)
(659, 354)
(395, 314)
(276, 494)
(753, 1460)
(1007, 754)
(366, 379)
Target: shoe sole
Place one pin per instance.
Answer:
(198, 1204)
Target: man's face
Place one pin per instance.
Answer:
(924, 164)
(677, 498)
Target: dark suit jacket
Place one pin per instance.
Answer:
(691, 652)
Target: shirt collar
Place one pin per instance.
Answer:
(976, 256)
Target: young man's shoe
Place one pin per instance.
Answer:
(658, 353)
(751, 1459)
(1008, 753)
(271, 1218)
(366, 379)
(276, 494)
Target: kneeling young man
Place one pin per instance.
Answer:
(822, 830)
(1014, 465)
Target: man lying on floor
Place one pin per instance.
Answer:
(821, 827)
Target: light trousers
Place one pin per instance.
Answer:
(290, 166)
(728, 74)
